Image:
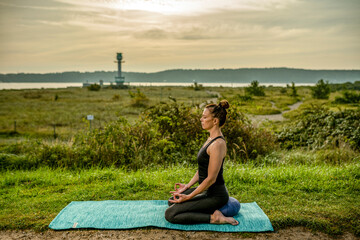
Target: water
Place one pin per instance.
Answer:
(77, 84)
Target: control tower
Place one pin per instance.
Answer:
(119, 80)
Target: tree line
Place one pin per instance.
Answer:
(241, 75)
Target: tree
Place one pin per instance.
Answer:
(255, 89)
(321, 90)
(293, 90)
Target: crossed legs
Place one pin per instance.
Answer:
(200, 209)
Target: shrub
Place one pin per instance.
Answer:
(321, 90)
(118, 144)
(116, 97)
(165, 134)
(178, 123)
(322, 128)
(255, 89)
(345, 86)
(293, 90)
(197, 87)
(139, 99)
(243, 98)
(348, 97)
(244, 140)
(94, 87)
(13, 161)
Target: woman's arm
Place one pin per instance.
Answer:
(194, 180)
(217, 152)
(179, 187)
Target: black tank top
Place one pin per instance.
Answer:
(203, 162)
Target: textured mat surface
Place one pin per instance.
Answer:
(116, 214)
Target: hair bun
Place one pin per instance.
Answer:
(224, 104)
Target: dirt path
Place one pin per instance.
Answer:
(274, 117)
(297, 233)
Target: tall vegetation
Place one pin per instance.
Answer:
(321, 90)
(293, 90)
(348, 97)
(319, 127)
(165, 134)
(94, 87)
(254, 89)
(139, 99)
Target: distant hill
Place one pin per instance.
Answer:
(241, 75)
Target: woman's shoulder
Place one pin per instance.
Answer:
(218, 144)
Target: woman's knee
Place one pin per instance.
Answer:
(170, 215)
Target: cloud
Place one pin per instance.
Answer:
(85, 34)
(152, 34)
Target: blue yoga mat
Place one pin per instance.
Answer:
(116, 214)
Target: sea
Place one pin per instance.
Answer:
(54, 85)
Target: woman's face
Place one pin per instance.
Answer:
(207, 120)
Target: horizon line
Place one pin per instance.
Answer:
(187, 69)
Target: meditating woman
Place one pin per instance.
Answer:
(201, 204)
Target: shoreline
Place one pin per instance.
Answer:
(59, 85)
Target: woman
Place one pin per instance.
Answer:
(200, 205)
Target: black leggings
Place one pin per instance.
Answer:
(199, 208)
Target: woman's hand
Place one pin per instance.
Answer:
(179, 188)
(179, 198)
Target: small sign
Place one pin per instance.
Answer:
(90, 117)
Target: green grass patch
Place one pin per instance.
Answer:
(320, 197)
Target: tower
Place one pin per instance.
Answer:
(119, 80)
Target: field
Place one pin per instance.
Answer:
(36, 111)
(314, 186)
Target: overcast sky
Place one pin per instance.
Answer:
(40, 36)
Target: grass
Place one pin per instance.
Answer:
(274, 101)
(315, 189)
(36, 111)
(320, 197)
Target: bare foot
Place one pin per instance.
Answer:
(218, 218)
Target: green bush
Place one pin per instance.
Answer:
(197, 87)
(348, 97)
(322, 128)
(243, 98)
(321, 90)
(94, 87)
(139, 99)
(13, 161)
(116, 97)
(244, 140)
(255, 89)
(165, 134)
(345, 86)
(293, 90)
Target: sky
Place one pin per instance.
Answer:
(42, 36)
